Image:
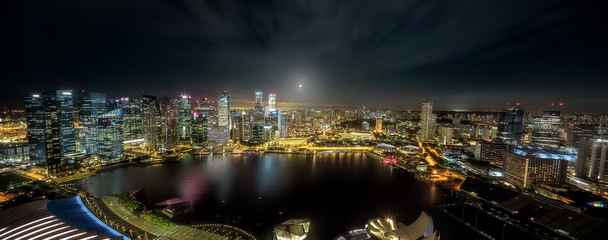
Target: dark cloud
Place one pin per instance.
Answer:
(460, 54)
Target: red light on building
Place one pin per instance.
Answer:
(390, 160)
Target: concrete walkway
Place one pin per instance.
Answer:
(177, 232)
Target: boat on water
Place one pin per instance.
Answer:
(167, 158)
(201, 152)
(237, 150)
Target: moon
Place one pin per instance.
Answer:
(300, 85)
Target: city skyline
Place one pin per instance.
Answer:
(300, 119)
(470, 57)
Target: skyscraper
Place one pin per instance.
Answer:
(592, 158)
(283, 116)
(511, 125)
(35, 115)
(257, 125)
(427, 122)
(184, 118)
(110, 136)
(150, 122)
(171, 126)
(206, 110)
(65, 104)
(131, 119)
(378, 125)
(272, 103)
(258, 100)
(199, 129)
(546, 130)
(91, 107)
(224, 110)
(50, 119)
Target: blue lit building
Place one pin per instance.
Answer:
(527, 165)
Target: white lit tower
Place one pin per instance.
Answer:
(427, 122)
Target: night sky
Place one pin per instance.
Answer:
(462, 55)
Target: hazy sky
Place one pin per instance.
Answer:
(466, 55)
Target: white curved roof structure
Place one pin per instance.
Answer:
(388, 229)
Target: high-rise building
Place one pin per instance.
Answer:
(283, 116)
(272, 103)
(171, 127)
(35, 116)
(247, 122)
(151, 122)
(205, 109)
(378, 125)
(546, 130)
(184, 118)
(446, 135)
(427, 122)
(92, 105)
(131, 119)
(236, 133)
(271, 125)
(257, 126)
(50, 119)
(526, 166)
(258, 100)
(592, 157)
(65, 104)
(511, 125)
(223, 111)
(110, 136)
(199, 129)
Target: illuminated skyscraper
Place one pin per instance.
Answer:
(427, 122)
(171, 127)
(258, 100)
(223, 112)
(247, 122)
(592, 158)
(35, 115)
(50, 119)
(378, 125)
(283, 116)
(151, 122)
(184, 118)
(110, 136)
(272, 102)
(511, 125)
(131, 118)
(65, 104)
(257, 126)
(199, 129)
(92, 106)
(206, 110)
(236, 133)
(546, 130)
